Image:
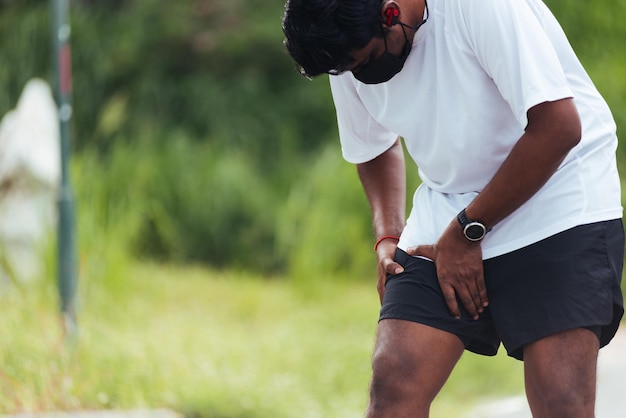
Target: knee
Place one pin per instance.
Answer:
(387, 391)
(561, 402)
(395, 381)
(568, 404)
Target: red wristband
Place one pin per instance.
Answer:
(381, 239)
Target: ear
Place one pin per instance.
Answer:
(390, 13)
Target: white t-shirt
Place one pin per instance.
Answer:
(476, 67)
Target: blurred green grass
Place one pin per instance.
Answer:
(210, 344)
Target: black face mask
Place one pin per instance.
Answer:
(383, 68)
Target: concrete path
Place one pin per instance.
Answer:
(611, 395)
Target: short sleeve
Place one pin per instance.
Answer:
(510, 41)
(362, 137)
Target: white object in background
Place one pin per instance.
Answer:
(30, 171)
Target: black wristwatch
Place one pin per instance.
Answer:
(473, 230)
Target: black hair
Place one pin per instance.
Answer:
(320, 34)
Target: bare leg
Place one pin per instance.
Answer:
(410, 365)
(560, 375)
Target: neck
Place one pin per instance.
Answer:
(416, 14)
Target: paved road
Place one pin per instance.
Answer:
(611, 395)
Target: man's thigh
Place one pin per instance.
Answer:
(560, 374)
(415, 296)
(412, 361)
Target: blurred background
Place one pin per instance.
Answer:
(223, 246)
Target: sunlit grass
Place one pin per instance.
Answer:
(210, 344)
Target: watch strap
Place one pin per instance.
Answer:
(467, 223)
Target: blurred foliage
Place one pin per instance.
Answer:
(598, 36)
(196, 138)
(325, 221)
(215, 70)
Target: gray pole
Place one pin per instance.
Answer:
(67, 278)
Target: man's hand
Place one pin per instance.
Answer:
(459, 270)
(553, 129)
(386, 265)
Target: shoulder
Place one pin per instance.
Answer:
(497, 12)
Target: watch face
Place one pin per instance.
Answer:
(475, 231)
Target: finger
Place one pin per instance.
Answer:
(393, 268)
(380, 284)
(427, 251)
(471, 298)
(390, 267)
(478, 290)
(471, 302)
(482, 291)
(450, 297)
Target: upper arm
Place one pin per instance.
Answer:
(557, 121)
(385, 174)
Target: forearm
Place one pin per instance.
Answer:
(384, 182)
(553, 130)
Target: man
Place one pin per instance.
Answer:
(515, 234)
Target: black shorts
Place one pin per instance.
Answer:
(570, 280)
